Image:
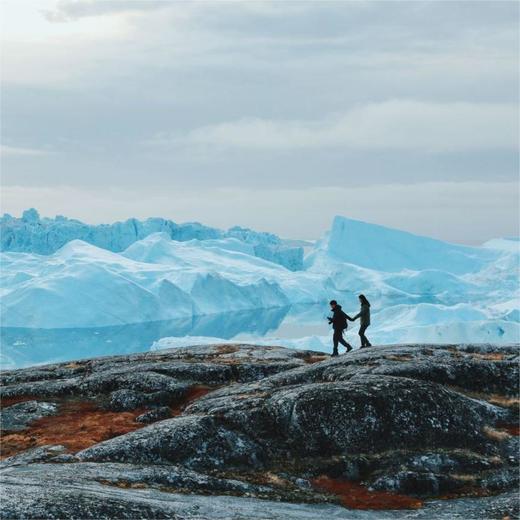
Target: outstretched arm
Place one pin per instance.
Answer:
(356, 316)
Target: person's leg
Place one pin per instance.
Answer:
(362, 336)
(364, 339)
(335, 341)
(341, 339)
(367, 343)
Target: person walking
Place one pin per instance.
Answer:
(364, 320)
(338, 320)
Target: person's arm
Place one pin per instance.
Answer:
(349, 318)
(356, 316)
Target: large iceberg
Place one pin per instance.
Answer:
(391, 250)
(421, 289)
(44, 236)
(156, 278)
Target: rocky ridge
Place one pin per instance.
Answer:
(238, 431)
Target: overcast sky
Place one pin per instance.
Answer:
(275, 116)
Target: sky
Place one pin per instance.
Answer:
(271, 115)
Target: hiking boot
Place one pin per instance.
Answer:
(348, 347)
(334, 354)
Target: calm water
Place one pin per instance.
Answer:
(24, 347)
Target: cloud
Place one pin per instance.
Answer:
(469, 212)
(69, 10)
(9, 151)
(395, 124)
(244, 101)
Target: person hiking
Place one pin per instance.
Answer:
(364, 320)
(338, 320)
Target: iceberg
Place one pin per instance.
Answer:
(421, 289)
(510, 244)
(44, 236)
(156, 278)
(390, 250)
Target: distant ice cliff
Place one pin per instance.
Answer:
(44, 236)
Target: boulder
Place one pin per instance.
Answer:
(18, 416)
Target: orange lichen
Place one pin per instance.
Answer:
(194, 393)
(500, 400)
(78, 425)
(356, 496)
(315, 359)
(492, 356)
(456, 354)
(251, 394)
(496, 435)
(511, 429)
(226, 349)
(123, 484)
(496, 399)
(73, 364)
(469, 491)
(399, 357)
(276, 480)
(8, 401)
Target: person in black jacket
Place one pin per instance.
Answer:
(338, 320)
(364, 320)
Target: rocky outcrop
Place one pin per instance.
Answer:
(18, 416)
(388, 427)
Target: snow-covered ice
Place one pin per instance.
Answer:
(421, 289)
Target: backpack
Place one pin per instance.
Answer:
(343, 320)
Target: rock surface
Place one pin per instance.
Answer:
(18, 416)
(267, 432)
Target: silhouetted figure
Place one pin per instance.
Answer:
(338, 320)
(364, 319)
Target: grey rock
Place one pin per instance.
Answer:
(196, 441)
(415, 419)
(151, 372)
(157, 414)
(33, 455)
(121, 400)
(18, 416)
(415, 483)
(31, 496)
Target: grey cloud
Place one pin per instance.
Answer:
(395, 124)
(283, 79)
(16, 151)
(121, 165)
(469, 212)
(69, 10)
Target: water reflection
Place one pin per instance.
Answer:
(22, 347)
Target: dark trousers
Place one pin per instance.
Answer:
(364, 339)
(338, 338)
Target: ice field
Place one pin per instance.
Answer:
(421, 289)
